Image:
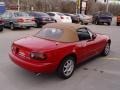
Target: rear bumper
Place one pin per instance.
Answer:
(87, 21)
(66, 21)
(105, 20)
(46, 22)
(25, 24)
(1, 25)
(34, 67)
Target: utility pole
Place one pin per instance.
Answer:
(107, 6)
(76, 9)
(79, 6)
(18, 5)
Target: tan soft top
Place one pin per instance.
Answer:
(69, 29)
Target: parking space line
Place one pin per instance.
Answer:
(112, 58)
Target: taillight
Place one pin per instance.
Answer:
(20, 20)
(62, 17)
(1, 21)
(33, 19)
(15, 50)
(38, 56)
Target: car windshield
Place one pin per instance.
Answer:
(105, 13)
(61, 14)
(21, 14)
(80, 15)
(43, 14)
(50, 34)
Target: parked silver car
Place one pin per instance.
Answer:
(15, 19)
(85, 19)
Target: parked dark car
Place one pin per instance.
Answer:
(15, 19)
(102, 17)
(1, 24)
(75, 18)
(41, 18)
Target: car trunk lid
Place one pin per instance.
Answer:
(23, 47)
(34, 43)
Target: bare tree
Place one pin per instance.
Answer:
(61, 6)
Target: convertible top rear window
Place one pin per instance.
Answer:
(50, 33)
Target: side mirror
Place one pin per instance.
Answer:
(94, 36)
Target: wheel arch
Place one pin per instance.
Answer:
(11, 22)
(68, 55)
(109, 41)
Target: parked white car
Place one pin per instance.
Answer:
(60, 17)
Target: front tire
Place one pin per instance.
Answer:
(12, 27)
(106, 50)
(1, 29)
(37, 25)
(109, 23)
(86, 23)
(28, 27)
(97, 22)
(66, 68)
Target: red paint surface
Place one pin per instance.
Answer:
(55, 52)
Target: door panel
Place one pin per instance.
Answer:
(80, 51)
(88, 46)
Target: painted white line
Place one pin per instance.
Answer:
(114, 58)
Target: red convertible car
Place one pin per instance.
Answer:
(58, 47)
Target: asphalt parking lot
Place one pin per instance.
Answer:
(100, 73)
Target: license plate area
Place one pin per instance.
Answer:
(23, 54)
(27, 20)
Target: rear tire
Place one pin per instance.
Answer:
(86, 23)
(118, 24)
(109, 23)
(37, 25)
(12, 27)
(55, 21)
(1, 29)
(96, 22)
(81, 22)
(66, 68)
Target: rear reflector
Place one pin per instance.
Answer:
(1, 21)
(33, 19)
(38, 56)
